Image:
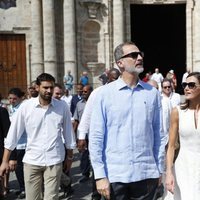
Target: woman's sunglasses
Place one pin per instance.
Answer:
(191, 85)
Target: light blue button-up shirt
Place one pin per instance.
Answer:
(126, 140)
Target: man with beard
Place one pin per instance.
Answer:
(45, 120)
(127, 144)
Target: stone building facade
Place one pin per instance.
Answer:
(80, 35)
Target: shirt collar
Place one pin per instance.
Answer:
(16, 106)
(170, 96)
(121, 84)
(79, 96)
(37, 102)
(83, 100)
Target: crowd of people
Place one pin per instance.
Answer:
(136, 137)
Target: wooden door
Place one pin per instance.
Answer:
(12, 62)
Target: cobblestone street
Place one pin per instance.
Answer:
(82, 191)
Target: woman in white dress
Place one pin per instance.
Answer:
(183, 179)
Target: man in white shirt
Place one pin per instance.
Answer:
(166, 109)
(158, 77)
(67, 97)
(45, 120)
(84, 125)
(167, 92)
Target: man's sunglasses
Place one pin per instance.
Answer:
(165, 87)
(191, 85)
(134, 55)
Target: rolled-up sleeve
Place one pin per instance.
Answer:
(68, 132)
(16, 129)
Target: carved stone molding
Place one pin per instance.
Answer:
(92, 6)
(95, 67)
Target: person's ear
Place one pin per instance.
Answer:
(119, 64)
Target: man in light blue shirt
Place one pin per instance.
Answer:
(127, 143)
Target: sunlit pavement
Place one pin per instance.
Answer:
(81, 191)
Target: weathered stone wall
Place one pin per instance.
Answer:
(15, 17)
(81, 35)
(92, 38)
(59, 30)
(17, 20)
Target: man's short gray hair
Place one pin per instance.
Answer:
(118, 53)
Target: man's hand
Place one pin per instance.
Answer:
(67, 165)
(82, 145)
(4, 168)
(68, 160)
(12, 165)
(103, 187)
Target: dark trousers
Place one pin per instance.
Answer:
(20, 169)
(141, 190)
(85, 162)
(1, 187)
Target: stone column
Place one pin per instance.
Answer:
(50, 64)
(37, 65)
(118, 23)
(69, 39)
(196, 36)
(189, 33)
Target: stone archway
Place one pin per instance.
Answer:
(90, 40)
(161, 34)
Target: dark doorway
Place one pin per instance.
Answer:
(160, 31)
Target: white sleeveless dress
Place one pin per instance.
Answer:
(187, 164)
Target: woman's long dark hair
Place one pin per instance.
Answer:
(185, 104)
